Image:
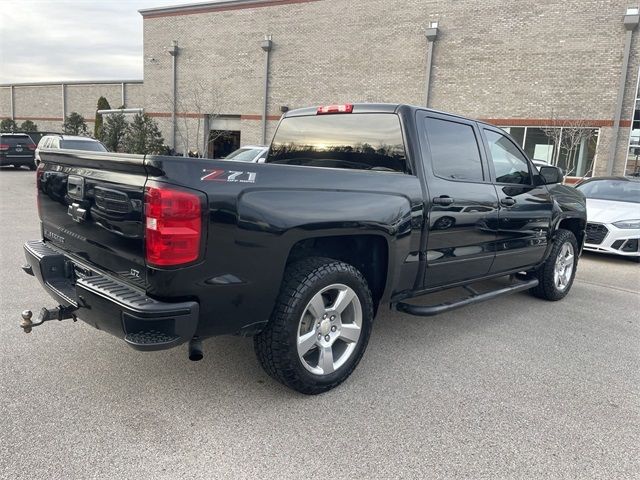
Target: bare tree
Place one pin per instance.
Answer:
(567, 136)
(572, 138)
(192, 106)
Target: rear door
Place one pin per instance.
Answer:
(524, 218)
(91, 205)
(461, 203)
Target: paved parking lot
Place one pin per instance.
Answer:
(513, 388)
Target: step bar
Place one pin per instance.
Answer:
(475, 297)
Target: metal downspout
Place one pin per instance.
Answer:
(630, 22)
(266, 46)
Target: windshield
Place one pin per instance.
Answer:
(616, 190)
(244, 155)
(367, 141)
(83, 145)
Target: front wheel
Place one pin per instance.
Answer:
(320, 326)
(557, 273)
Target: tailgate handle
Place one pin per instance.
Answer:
(75, 187)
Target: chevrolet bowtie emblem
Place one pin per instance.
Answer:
(77, 213)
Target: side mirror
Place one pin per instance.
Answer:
(551, 174)
(261, 160)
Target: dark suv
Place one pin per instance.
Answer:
(17, 149)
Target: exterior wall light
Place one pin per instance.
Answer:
(631, 18)
(432, 31)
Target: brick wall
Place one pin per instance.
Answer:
(493, 59)
(42, 103)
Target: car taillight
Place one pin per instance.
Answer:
(4, 146)
(31, 146)
(173, 230)
(346, 108)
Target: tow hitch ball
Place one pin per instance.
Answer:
(58, 313)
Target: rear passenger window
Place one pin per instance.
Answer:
(454, 150)
(509, 163)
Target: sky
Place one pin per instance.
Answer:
(57, 40)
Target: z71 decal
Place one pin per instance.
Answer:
(230, 176)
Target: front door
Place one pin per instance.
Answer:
(461, 204)
(524, 218)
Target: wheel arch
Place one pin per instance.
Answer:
(369, 253)
(576, 225)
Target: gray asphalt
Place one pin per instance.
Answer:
(512, 388)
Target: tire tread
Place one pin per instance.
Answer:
(272, 345)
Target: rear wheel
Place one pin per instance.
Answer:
(557, 273)
(320, 326)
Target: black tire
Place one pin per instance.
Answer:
(547, 288)
(276, 345)
(32, 166)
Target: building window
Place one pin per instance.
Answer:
(572, 147)
(633, 154)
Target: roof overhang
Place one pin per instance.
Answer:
(214, 6)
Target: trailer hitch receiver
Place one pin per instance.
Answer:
(46, 314)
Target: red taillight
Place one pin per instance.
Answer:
(173, 226)
(4, 146)
(31, 146)
(346, 108)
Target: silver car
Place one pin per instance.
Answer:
(70, 142)
(613, 215)
(249, 153)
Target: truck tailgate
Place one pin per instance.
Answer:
(92, 206)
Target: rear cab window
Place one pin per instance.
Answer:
(361, 141)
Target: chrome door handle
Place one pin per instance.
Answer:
(508, 201)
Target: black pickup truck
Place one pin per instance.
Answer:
(356, 206)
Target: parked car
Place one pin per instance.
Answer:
(68, 142)
(249, 154)
(357, 206)
(613, 215)
(17, 149)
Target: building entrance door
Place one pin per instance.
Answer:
(222, 143)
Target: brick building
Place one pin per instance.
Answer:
(47, 103)
(550, 71)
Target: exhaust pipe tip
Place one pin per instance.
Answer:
(195, 350)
